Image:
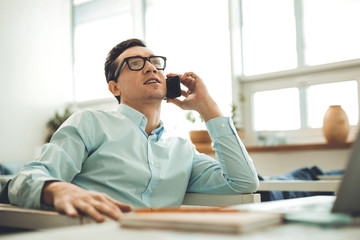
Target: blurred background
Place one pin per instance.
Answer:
(274, 66)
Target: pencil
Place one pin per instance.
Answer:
(185, 210)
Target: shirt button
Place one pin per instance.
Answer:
(222, 125)
(150, 189)
(152, 162)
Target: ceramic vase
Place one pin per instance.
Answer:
(335, 125)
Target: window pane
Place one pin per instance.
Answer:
(198, 42)
(277, 110)
(321, 96)
(92, 42)
(331, 30)
(269, 36)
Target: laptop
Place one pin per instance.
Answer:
(342, 209)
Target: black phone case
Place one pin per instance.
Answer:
(173, 87)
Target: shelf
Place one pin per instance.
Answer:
(207, 149)
(299, 147)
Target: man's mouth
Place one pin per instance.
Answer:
(152, 80)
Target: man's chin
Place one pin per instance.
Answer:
(157, 97)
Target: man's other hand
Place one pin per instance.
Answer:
(70, 199)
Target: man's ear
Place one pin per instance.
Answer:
(114, 88)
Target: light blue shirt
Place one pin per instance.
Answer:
(110, 152)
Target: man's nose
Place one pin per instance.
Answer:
(149, 67)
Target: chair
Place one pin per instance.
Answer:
(198, 199)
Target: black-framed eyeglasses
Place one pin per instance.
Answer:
(137, 63)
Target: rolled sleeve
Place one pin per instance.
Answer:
(220, 126)
(25, 189)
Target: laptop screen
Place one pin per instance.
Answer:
(348, 199)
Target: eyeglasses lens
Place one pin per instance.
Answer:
(138, 63)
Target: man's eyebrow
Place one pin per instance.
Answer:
(151, 55)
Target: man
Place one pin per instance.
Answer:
(103, 162)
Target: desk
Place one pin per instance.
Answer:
(297, 185)
(111, 230)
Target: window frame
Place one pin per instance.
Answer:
(302, 77)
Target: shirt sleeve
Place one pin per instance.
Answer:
(233, 172)
(61, 160)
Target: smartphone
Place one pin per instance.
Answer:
(173, 87)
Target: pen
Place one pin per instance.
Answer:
(185, 210)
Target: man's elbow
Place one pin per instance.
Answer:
(253, 185)
(249, 186)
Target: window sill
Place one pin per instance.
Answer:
(300, 147)
(207, 149)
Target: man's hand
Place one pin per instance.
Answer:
(72, 200)
(196, 97)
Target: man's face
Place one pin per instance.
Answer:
(135, 87)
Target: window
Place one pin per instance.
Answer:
(269, 37)
(321, 96)
(281, 34)
(331, 30)
(277, 110)
(98, 26)
(302, 51)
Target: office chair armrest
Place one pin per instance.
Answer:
(219, 200)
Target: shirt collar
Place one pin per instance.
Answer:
(139, 119)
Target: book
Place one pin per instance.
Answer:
(226, 221)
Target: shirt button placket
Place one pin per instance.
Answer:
(151, 165)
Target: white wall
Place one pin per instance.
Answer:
(35, 72)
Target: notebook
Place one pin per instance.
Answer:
(233, 222)
(343, 209)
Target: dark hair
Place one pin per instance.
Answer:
(111, 64)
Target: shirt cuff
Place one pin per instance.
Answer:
(220, 126)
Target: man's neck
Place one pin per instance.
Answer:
(151, 112)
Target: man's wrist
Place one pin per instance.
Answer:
(209, 116)
(47, 196)
(210, 111)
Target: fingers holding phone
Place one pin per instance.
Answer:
(196, 97)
